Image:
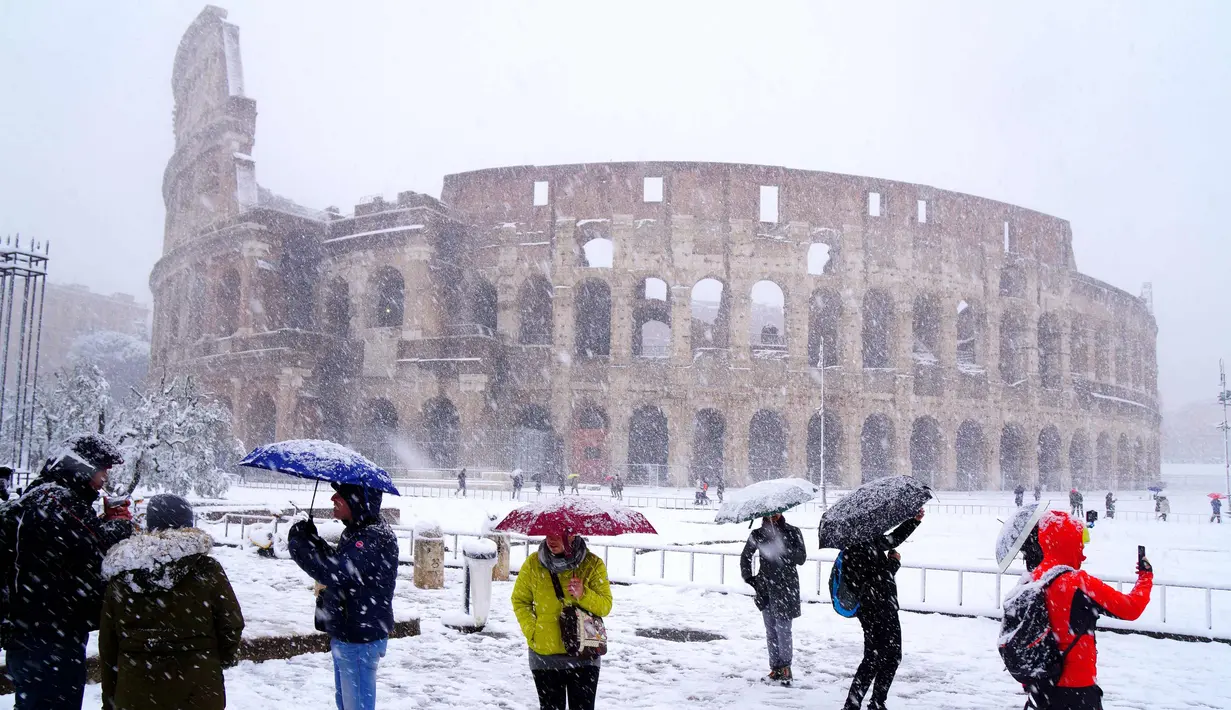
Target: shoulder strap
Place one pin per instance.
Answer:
(555, 582)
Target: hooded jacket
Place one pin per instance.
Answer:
(170, 624)
(359, 575)
(538, 609)
(1075, 600)
(777, 581)
(53, 544)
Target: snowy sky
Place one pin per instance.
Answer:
(1110, 114)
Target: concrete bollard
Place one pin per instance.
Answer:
(500, 573)
(429, 556)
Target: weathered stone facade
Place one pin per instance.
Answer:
(616, 318)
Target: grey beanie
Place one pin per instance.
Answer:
(168, 511)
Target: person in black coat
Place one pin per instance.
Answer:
(781, 547)
(1018, 494)
(870, 568)
(53, 545)
(356, 605)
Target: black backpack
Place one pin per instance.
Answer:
(1028, 646)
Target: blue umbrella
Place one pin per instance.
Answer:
(318, 460)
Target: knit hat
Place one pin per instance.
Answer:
(167, 511)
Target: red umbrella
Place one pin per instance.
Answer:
(1217, 495)
(575, 515)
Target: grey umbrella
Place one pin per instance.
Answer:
(871, 510)
(1014, 532)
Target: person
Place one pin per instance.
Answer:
(575, 484)
(1075, 502)
(1038, 492)
(355, 608)
(461, 482)
(1216, 506)
(1164, 508)
(53, 545)
(619, 487)
(1019, 493)
(781, 547)
(517, 484)
(560, 480)
(559, 678)
(6, 480)
(170, 620)
(701, 497)
(871, 567)
(719, 488)
(1075, 600)
(1111, 505)
(538, 484)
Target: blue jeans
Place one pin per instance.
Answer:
(48, 676)
(778, 639)
(354, 673)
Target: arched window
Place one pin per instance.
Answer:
(1105, 459)
(925, 346)
(711, 312)
(876, 448)
(534, 307)
(442, 427)
(1013, 348)
(1049, 351)
(767, 436)
(380, 424)
(1079, 460)
(226, 302)
(971, 459)
(592, 319)
(708, 434)
(824, 322)
(767, 324)
(825, 448)
(969, 335)
(390, 298)
(648, 444)
(262, 420)
(484, 306)
(651, 319)
(926, 446)
(1050, 445)
(337, 308)
(878, 329)
(1012, 456)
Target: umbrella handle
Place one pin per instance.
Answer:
(312, 506)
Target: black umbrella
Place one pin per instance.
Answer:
(872, 509)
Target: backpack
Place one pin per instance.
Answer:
(8, 560)
(1028, 646)
(842, 590)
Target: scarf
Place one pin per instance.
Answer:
(557, 564)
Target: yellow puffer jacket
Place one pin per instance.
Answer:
(538, 609)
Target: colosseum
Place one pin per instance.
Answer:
(665, 321)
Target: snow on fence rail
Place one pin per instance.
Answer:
(1176, 607)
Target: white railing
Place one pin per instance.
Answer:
(1176, 607)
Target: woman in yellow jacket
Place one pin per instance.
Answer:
(583, 579)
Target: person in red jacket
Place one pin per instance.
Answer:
(1075, 600)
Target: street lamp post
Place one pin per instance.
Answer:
(1224, 397)
(821, 364)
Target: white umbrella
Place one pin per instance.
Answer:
(765, 498)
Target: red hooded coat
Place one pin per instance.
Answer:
(1074, 599)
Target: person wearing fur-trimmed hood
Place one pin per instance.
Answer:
(170, 620)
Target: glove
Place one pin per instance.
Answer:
(1143, 565)
(304, 528)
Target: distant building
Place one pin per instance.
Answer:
(71, 311)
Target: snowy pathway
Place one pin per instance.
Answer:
(949, 663)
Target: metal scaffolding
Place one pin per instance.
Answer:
(23, 284)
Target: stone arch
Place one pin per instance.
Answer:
(484, 306)
(589, 441)
(389, 298)
(592, 319)
(1013, 456)
(536, 450)
(1102, 358)
(1125, 465)
(649, 445)
(262, 420)
(878, 329)
(1104, 454)
(443, 428)
(1049, 351)
(380, 425)
(876, 447)
(825, 448)
(534, 307)
(767, 321)
(651, 330)
(824, 328)
(1079, 349)
(971, 450)
(1079, 460)
(709, 430)
(925, 346)
(1141, 460)
(710, 307)
(597, 250)
(926, 447)
(1049, 453)
(1013, 348)
(226, 302)
(1123, 376)
(337, 308)
(767, 437)
(969, 336)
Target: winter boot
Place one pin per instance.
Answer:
(775, 676)
(784, 676)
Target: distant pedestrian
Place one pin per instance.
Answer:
(517, 484)
(355, 608)
(781, 549)
(461, 482)
(619, 487)
(1038, 492)
(1216, 506)
(560, 479)
(1110, 505)
(538, 484)
(575, 483)
(1019, 492)
(1075, 503)
(1164, 508)
(719, 488)
(170, 620)
(870, 568)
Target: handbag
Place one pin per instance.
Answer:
(584, 634)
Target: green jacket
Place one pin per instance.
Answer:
(170, 624)
(538, 609)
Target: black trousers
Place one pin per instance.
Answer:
(1089, 698)
(882, 652)
(577, 685)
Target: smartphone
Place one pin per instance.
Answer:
(1141, 554)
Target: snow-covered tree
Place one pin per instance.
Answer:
(123, 359)
(77, 402)
(175, 441)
